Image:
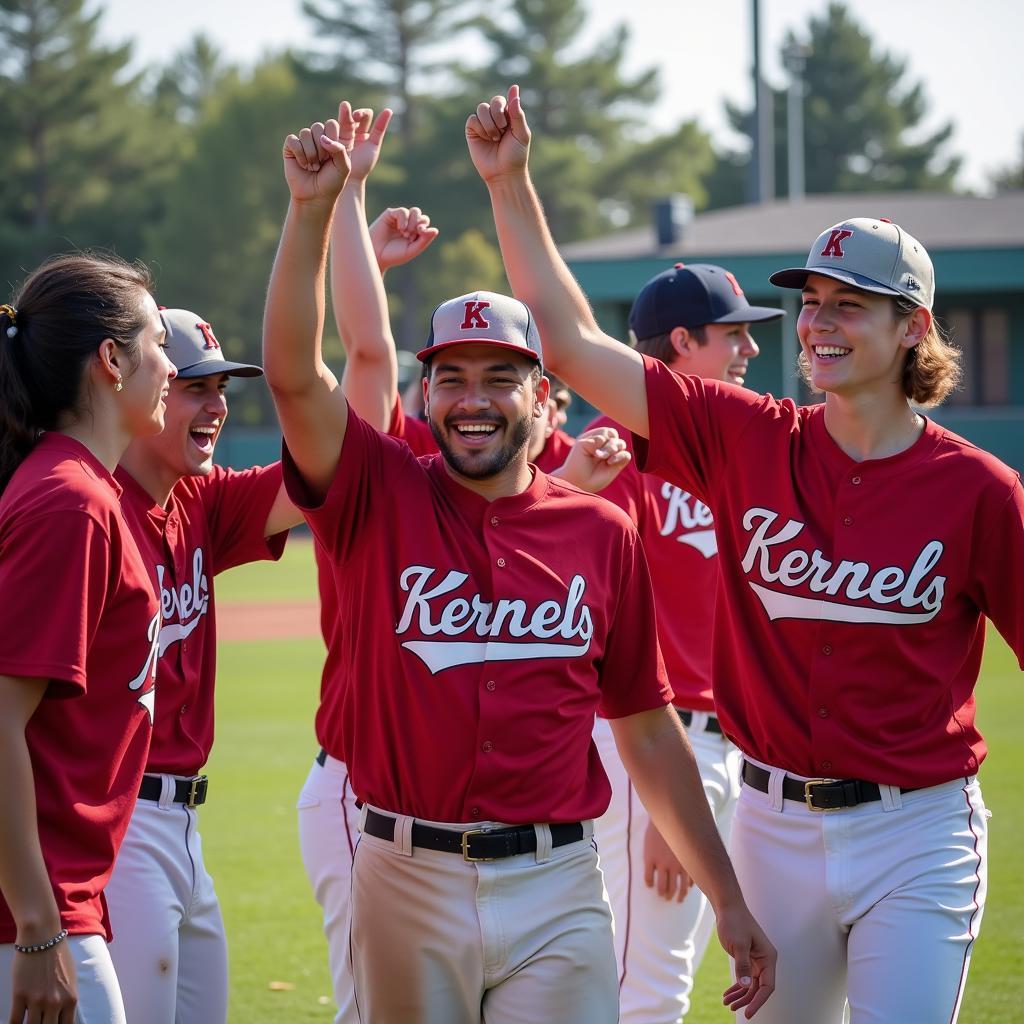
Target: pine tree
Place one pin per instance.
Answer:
(589, 159)
(1011, 178)
(392, 47)
(862, 121)
(82, 162)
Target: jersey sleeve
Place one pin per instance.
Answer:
(999, 583)
(367, 476)
(695, 425)
(237, 504)
(633, 676)
(55, 575)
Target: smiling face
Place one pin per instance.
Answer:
(196, 411)
(725, 354)
(481, 403)
(852, 340)
(145, 388)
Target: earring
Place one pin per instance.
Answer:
(118, 386)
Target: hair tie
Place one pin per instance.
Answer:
(12, 315)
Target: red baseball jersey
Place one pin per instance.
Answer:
(480, 637)
(417, 434)
(79, 610)
(678, 534)
(852, 597)
(210, 524)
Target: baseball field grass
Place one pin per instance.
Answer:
(267, 694)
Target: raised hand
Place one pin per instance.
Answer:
(400, 234)
(362, 136)
(316, 164)
(499, 137)
(596, 459)
(662, 870)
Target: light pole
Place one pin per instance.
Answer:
(794, 56)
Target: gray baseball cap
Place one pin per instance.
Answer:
(875, 255)
(194, 349)
(483, 318)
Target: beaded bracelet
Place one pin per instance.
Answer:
(39, 947)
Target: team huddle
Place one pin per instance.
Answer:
(707, 668)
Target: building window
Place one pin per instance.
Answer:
(983, 335)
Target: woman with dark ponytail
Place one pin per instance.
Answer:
(82, 373)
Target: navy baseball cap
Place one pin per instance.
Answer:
(483, 318)
(194, 349)
(692, 295)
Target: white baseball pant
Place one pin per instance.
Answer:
(169, 946)
(658, 944)
(436, 939)
(328, 832)
(99, 998)
(879, 903)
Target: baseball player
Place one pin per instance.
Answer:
(327, 812)
(82, 372)
(192, 520)
(696, 320)
(489, 610)
(861, 547)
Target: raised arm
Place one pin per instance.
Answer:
(607, 373)
(358, 259)
(310, 405)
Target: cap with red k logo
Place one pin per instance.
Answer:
(875, 255)
(483, 318)
(193, 347)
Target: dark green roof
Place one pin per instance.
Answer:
(941, 221)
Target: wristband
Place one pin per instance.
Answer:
(40, 947)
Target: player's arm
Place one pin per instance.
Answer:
(43, 982)
(604, 371)
(595, 460)
(310, 405)
(370, 378)
(661, 765)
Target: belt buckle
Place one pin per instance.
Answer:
(809, 795)
(197, 782)
(465, 845)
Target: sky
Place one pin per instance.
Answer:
(966, 55)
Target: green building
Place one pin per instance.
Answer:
(977, 246)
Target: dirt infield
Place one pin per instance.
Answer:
(240, 621)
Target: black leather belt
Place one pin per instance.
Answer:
(817, 794)
(475, 844)
(321, 757)
(713, 725)
(190, 792)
